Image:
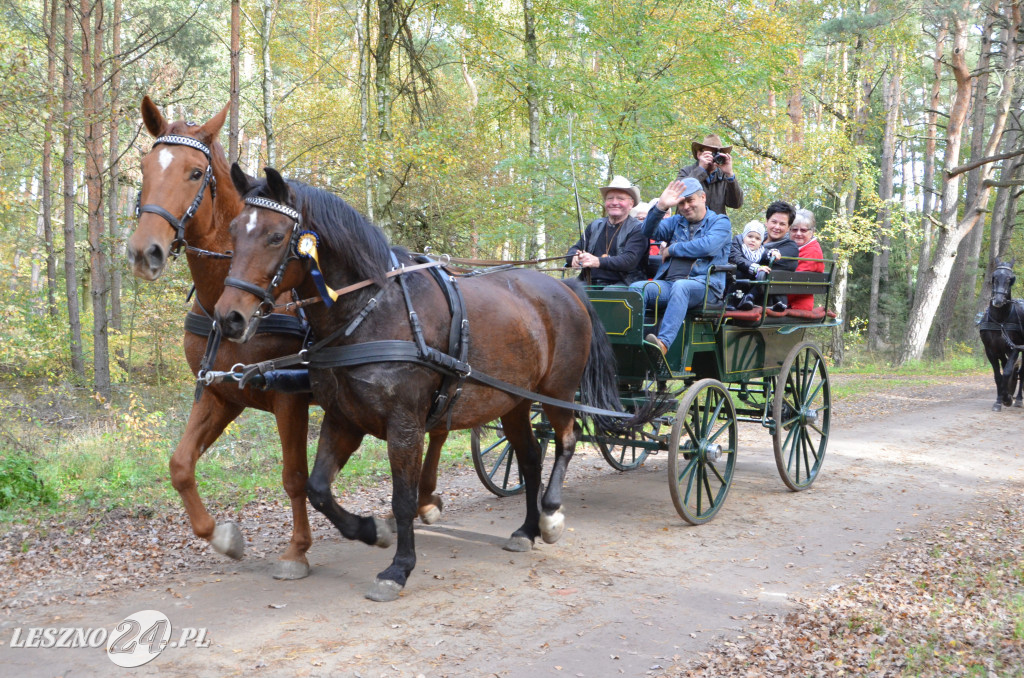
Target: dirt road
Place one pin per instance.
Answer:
(628, 590)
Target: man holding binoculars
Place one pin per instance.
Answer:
(713, 170)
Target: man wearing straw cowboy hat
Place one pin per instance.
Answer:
(613, 248)
(713, 170)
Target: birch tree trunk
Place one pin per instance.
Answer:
(70, 273)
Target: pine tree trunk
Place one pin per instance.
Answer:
(953, 230)
(959, 292)
(47, 178)
(117, 237)
(234, 122)
(877, 321)
(930, 131)
(70, 272)
(533, 113)
(92, 76)
(268, 83)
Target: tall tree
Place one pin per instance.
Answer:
(91, 22)
(70, 268)
(953, 229)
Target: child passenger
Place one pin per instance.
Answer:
(751, 260)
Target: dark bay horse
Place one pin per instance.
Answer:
(1002, 334)
(525, 328)
(178, 177)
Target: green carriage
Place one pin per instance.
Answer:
(724, 368)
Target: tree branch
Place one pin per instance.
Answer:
(983, 161)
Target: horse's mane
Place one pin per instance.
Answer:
(357, 245)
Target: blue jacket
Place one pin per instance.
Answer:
(709, 244)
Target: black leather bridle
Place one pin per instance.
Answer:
(266, 295)
(208, 179)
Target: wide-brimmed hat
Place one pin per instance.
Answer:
(620, 183)
(711, 142)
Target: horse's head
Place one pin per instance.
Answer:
(265, 236)
(1002, 284)
(177, 179)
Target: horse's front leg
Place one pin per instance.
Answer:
(519, 432)
(997, 374)
(338, 440)
(1007, 378)
(405, 450)
(292, 413)
(206, 422)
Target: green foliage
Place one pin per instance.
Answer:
(20, 486)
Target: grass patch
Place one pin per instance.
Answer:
(70, 455)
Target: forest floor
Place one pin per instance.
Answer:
(904, 558)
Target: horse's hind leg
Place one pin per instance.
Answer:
(552, 520)
(519, 432)
(430, 504)
(206, 422)
(292, 413)
(336, 445)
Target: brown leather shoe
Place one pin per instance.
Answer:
(653, 339)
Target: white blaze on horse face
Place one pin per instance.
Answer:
(165, 158)
(252, 222)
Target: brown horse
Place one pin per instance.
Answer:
(525, 328)
(179, 179)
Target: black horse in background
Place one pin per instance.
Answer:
(1002, 334)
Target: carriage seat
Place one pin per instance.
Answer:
(785, 283)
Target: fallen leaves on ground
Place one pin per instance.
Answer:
(947, 602)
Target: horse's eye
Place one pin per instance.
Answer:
(276, 238)
(196, 175)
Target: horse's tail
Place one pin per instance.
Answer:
(599, 386)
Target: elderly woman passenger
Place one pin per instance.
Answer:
(802, 233)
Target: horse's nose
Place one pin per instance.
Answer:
(149, 263)
(232, 325)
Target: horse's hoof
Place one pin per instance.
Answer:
(430, 514)
(1018, 403)
(227, 539)
(552, 526)
(385, 535)
(384, 590)
(518, 544)
(290, 569)
(997, 408)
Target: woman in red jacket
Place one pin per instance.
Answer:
(802, 233)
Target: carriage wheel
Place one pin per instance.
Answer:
(626, 457)
(702, 451)
(495, 460)
(801, 410)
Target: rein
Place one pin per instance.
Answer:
(179, 224)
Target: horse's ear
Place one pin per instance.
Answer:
(209, 131)
(239, 178)
(152, 118)
(277, 186)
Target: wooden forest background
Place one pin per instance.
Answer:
(448, 123)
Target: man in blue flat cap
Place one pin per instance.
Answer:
(696, 238)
